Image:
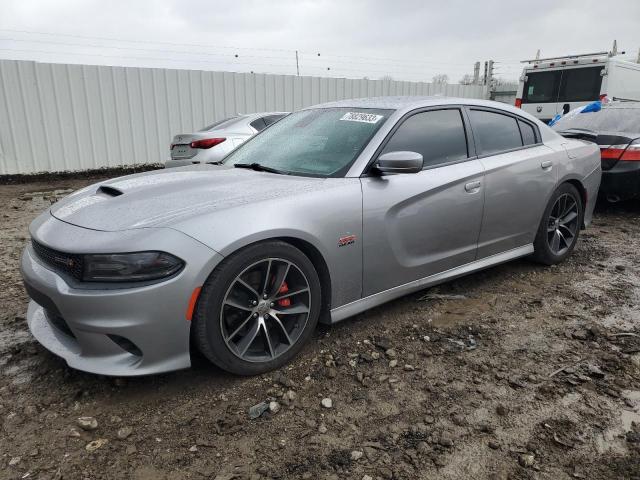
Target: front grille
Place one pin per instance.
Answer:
(67, 263)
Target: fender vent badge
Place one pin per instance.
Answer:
(346, 240)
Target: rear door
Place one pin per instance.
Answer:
(540, 94)
(578, 87)
(519, 178)
(419, 224)
(547, 93)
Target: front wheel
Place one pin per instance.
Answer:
(258, 308)
(560, 226)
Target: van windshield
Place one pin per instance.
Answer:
(569, 85)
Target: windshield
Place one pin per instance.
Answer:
(619, 118)
(321, 142)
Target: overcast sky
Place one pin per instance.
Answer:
(406, 39)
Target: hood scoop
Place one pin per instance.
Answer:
(110, 191)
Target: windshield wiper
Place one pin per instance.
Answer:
(260, 168)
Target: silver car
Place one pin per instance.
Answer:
(333, 210)
(214, 141)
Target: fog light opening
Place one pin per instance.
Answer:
(126, 345)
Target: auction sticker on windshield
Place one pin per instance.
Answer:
(361, 117)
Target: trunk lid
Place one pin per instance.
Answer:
(181, 144)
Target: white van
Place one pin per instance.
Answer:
(557, 85)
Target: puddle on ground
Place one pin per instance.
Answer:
(613, 439)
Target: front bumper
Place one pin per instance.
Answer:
(114, 331)
(622, 180)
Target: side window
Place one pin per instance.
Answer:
(438, 135)
(528, 133)
(494, 132)
(258, 124)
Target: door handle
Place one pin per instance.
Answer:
(546, 165)
(472, 187)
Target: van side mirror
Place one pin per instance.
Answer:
(399, 162)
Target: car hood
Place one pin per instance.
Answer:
(164, 198)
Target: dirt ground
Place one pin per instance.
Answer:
(517, 372)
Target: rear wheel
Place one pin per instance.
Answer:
(560, 226)
(258, 308)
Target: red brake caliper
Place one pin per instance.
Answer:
(284, 302)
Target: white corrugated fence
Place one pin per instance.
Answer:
(63, 117)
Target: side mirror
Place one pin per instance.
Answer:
(399, 162)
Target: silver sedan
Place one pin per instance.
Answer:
(214, 141)
(333, 210)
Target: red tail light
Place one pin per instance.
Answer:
(518, 103)
(602, 97)
(626, 153)
(612, 152)
(207, 142)
(632, 153)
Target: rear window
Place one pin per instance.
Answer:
(580, 84)
(619, 118)
(568, 85)
(258, 124)
(541, 87)
(494, 132)
(269, 119)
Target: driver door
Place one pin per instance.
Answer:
(419, 224)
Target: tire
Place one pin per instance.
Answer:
(551, 247)
(231, 309)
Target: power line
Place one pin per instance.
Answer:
(143, 58)
(115, 47)
(145, 41)
(189, 61)
(188, 52)
(349, 58)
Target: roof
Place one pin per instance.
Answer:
(407, 103)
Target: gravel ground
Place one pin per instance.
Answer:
(520, 371)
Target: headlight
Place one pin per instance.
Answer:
(130, 267)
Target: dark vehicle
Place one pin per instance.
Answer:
(616, 130)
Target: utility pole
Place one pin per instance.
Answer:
(297, 64)
(490, 82)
